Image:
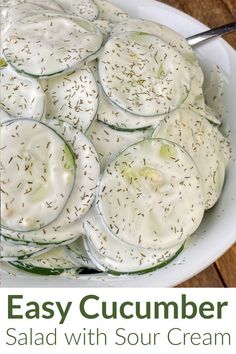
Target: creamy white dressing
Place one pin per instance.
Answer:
(213, 89)
(144, 75)
(173, 38)
(42, 183)
(117, 118)
(56, 258)
(83, 8)
(21, 97)
(19, 11)
(112, 254)
(144, 195)
(77, 251)
(110, 12)
(151, 195)
(10, 251)
(62, 103)
(4, 116)
(47, 4)
(112, 115)
(109, 142)
(52, 235)
(204, 142)
(87, 171)
(69, 225)
(26, 43)
(105, 27)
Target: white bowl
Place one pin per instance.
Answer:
(218, 230)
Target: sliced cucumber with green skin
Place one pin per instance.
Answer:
(118, 256)
(211, 116)
(111, 115)
(93, 66)
(174, 39)
(213, 89)
(208, 147)
(110, 12)
(83, 8)
(144, 75)
(87, 171)
(68, 234)
(72, 97)
(4, 117)
(151, 195)
(69, 224)
(72, 40)
(19, 11)
(21, 97)
(116, 118)
(105, 27)
(48, 4)
(53, 262)
(10, 251)
(196, 100)
(109, 142)
(113, 266)
(42, 182)
(24, 9)
(77, 250)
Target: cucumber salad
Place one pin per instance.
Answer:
(110, 151)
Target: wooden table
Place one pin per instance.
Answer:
(213, 13)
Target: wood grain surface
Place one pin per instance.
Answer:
(213, 13)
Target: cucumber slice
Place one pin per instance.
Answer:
(72, 40)
(111, 115)
(93, 66)
(21, 10)
(208, 147)
(4, 117)
(77, 250)
(44, 171)
(84, 8)
(8, 3)
(53, 262)
(151, 195)
(118, 256)
(69, 224)
(47, 4)
(117, 118)
(109, 267)
(196, 100)
(210, 115)
(21, 97)
(105, 27)
(10, 251)
(174, 39)
(113, 266)
(109, 142)
(213, 89)
(87, 171)
(59, 237)
(144, 75)
(110, 12)
(27, 8)
(72, 97)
